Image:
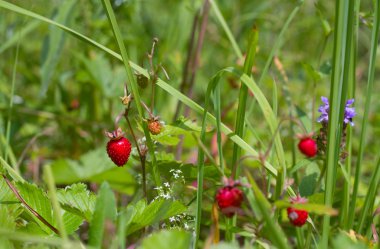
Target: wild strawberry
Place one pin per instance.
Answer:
(154, 126)
(118, 148)
(308, 146)
(297, 217)
(229, 199)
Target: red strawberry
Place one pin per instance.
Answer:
(154, 126)
(118, 148)
(308, 146)
(297, 217)
(229, 200)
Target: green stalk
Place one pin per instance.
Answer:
(338, 92)
(239, 125)
(277, 235)
(370, 198)
(9, 122)
(345, 216)
(133, 85)
(218, 115)
(370, 82)
(54, 201)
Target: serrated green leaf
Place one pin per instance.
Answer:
(71, 222)
(105, 209)
(156, 211)
(38, 200)
(78, 200)
(175, 239)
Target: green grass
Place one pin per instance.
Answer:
(257, 83)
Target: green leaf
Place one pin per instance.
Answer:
(156, 211)
(173, 239)
(78, 200)
(94, 166)
(105, 209)
(344, 241)
(71, 222)
(37, 199)
(309, 181)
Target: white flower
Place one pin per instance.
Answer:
(172, 219)
(176, 175)
(186, 226)
(166, 184)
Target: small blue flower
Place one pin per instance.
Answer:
(349, 112)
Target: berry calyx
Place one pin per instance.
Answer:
(118, 148)
(297, 217)
(154, 126)
(229, 199)
(308, 146)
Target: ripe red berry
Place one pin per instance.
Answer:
(297, 217)
(308, 147)
(154, 126)
(229, 200)
(118, 148)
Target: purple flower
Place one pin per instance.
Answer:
(349, 112)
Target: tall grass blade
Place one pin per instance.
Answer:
(278, 236)
(243, 94)
(226, 29)
(366, 211)
(338, 95)
(364, 125)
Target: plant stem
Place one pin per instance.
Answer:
(49, 178)
(34, 212)
(338, 95)
(141, 156)
(364, 125)
(135, 92)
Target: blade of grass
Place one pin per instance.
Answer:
(210, 118)
(54, 201)
(369, 198)
(133, 85)
(226, 29)
(338, 96)
(47, 240)
(270, 119)
(9, 122)
(16, 176)
(364, 125)
(243, 94)
(31, 26)
(218, 116)
(345, 216)
(278, 236)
